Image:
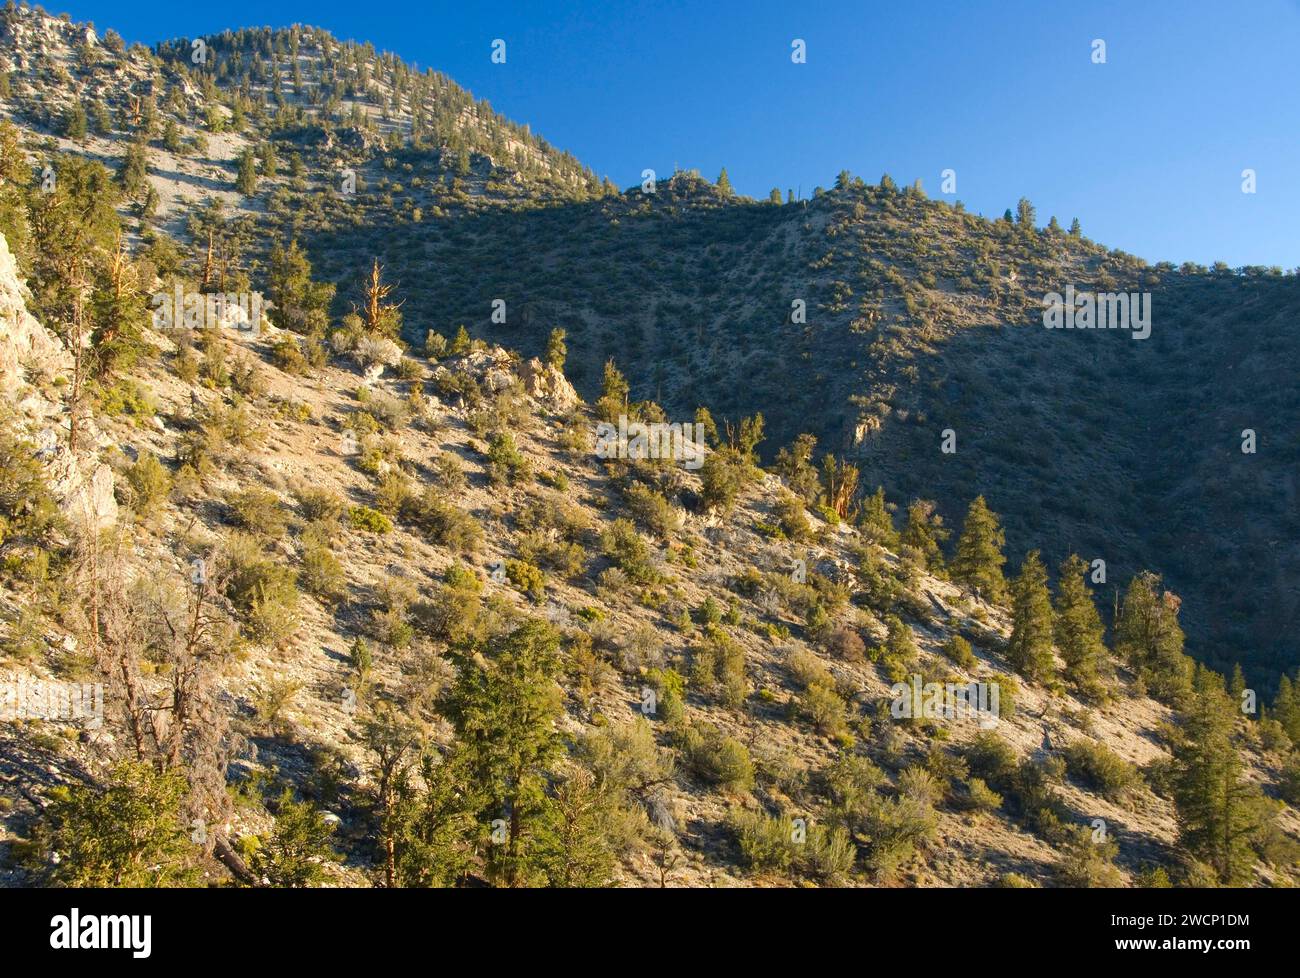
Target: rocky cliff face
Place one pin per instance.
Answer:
(31, 356)
(26, 347)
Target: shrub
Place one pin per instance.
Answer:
(789, 512)
(629, 552)
(259, 511)
(653, 511)
(1101, 769)
(319, 504)
(893, 829)
(263, 589)
(717, 758)
(959, 651)
(150, 483)
(287, 355)
(443, 523)
(369, 520)
(322, 573)
(718, 665)
(845, 643)
(505, 463)
(527, 578)
(826, 709)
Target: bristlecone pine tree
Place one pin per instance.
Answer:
(1079, 631)
(1029, 650)
(978, 561)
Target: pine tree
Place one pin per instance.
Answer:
(1148, 637)
(839, 484)
(556, 351)
(724, 182)
(296, 852)
(1029, 650)
(1079, 631)
(978, 561)
(126, 833)
(1286, 708)
(381, 317)
(15, 174)
(876, 522)
(505, 708)
(924, 532)
(794, 465)
(614, 393)
(135, 169)
(74, 123)
(1025, 214)
(1218, 812)
(246, 181)
(1237, 685)
(1075, 229)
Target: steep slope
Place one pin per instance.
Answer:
(913, 322)
(361, 532)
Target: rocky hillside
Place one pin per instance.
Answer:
(367, 606)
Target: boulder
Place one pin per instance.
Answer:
(548, 384)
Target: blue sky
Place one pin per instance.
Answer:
(1146, 150)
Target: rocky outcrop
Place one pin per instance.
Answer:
(81, 483)
(25, 345)
(548, 384)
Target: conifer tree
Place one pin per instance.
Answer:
(1218, 812)
(1286, 708)
(1079, 631)
(614, 393)
(924, 532)
(1029, 650)
(794, 465)
(1148, 637)
(505, 707)
(978, 561)
(246, 181)
(876, 522)
(724, 182)
(556, 351)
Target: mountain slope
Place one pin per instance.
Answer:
(379, 528)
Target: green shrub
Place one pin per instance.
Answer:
(320, 504)
(1101, 769)
(527, 578)
(717, 758)
(259, 511)
(263, 589)
(369, 520)
(959, 651)
(150, 483)
(621, 542)
(443, 523)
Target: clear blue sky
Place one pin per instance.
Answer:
(1146, 150)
